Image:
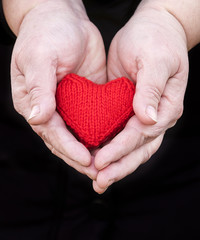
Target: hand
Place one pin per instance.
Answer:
(55, 38)
(151, 50)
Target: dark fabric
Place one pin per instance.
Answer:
(110, 15)
(42, 198)
(6, 35)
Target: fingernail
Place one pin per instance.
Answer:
(35, 111)
(152, 113)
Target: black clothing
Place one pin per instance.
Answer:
(42, 198)
(6, 35)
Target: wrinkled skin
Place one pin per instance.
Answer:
(151, 49)
(55, 39)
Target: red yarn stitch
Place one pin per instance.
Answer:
(95, 112)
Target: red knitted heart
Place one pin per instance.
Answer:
(95, 113)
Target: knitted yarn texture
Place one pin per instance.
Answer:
(95, 113)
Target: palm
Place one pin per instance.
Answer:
(85, 57)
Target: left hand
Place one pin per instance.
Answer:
(151, 50)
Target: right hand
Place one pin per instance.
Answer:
(55, 38)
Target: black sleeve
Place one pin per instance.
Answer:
(6, 35)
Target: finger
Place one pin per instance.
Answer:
(130, 138)
(135, 133)
(90, 171)
(41, 90)
(173, 99)
(125, 166)
(97, 188)
(55, 133)
(39, 73)
(19, 95)
(152, 77)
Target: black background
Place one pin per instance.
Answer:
(42, 198)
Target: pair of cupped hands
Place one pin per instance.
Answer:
(55, 39)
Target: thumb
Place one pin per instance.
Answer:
(41, 91)
(151, 81)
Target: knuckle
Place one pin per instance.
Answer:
(152, 92)
(157, 130)
(151, 132)
(53, 150)
(20, 108)
(103, 181)
(16, 106)
(19, 98)
(143, 133)
(176, 114)
(146, 155)
(41, 133)
(35, 93)
(151, 148)
(179, 112)
(45, 137)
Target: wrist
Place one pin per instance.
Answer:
(185, 12)
(161, 21)
(16, 10)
